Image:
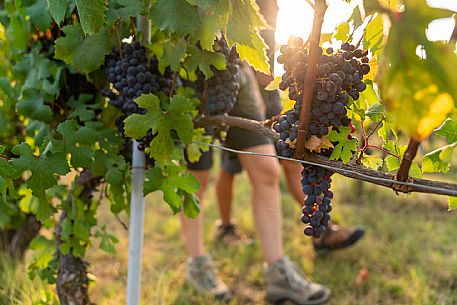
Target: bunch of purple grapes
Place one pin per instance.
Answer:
(223, 87)
(339, 78)
(132, 73)
(316, 183)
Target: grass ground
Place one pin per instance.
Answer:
(409, 253)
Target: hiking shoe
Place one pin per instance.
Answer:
(229, 234)
(336, 237)
(286, 281)
(202, 276)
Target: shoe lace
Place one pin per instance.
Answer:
(294, 275)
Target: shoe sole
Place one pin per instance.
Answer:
(224, 297)
(322, 300)
(358, 234)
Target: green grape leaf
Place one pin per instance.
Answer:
(124, 9)
(191, 205)
(72, 48)
(80, 108)
(385, 131)
(177, 117)
(35, 108)
(345, 147)
(243, 21)
(274, 84)
(194, 150)
(18, 32)
(31, 204)
(204, 60)
(356, 17)
(342, 32)
(415, 170)
(91, 15)
(43, 168)
(376, 112)
(170, 181)
(44, 250)
(452, 203)
(242, 29)
(7, 170)
(57, 8)
(372, 162)
(107, 240)
(176, 16)
(438, 160)
(39, 14)
(373, 37)
(255, 54)
(77, 141)
(173, 54)
(213, 20)
(421, 85)
(448, 129)
(392, 163)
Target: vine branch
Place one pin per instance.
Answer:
(410, 154)
(310, 80)
(347, 170)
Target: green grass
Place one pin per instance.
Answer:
(17, 289)
(409, 251)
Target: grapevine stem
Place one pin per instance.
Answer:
(453, 39)
(132, 26)
(375, 128)
(201, 109)
(118, 41)
(310, 4)
(383, 150)
(310, 80)
(410, 153)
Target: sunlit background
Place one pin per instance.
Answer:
(295, 17)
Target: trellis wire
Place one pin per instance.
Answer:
(335, 169)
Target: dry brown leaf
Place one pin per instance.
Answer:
(313, 143)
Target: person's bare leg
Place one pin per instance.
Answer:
(292, 170)
(264, 176)
(224, 195)
(192, 228)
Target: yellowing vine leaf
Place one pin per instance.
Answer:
(418, 92)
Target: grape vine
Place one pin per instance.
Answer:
(72, 96)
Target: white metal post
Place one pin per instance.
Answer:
(137, 205)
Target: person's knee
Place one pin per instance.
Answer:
(268, 173)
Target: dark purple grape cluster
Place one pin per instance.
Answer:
(132, 74)
(339, 78)
(223, 87)
(316, 183)
(287, 127)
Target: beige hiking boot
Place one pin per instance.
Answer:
(202, 276)
(286, 281)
